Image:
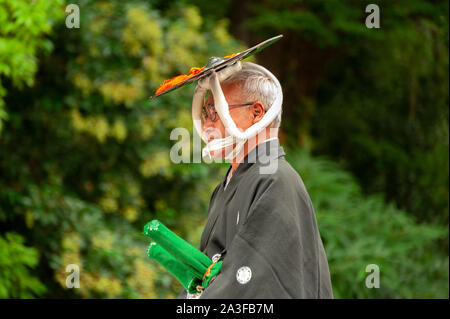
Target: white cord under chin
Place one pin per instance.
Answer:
(221, 143)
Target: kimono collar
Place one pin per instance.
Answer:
(261, 155)
(268, 150)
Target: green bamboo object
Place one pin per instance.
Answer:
(181, 259)
(180, 271)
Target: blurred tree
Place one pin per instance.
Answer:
(16, 261)
(360, 230)
(22, 35)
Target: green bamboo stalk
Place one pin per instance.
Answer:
(177, 247)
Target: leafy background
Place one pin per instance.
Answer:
(84, 155)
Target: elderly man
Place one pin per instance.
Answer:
(261, 221)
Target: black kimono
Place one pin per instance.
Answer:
(265, 230)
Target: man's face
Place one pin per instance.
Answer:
(242, 116)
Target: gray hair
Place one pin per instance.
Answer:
(256, 87)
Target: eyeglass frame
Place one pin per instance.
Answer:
(205, 110)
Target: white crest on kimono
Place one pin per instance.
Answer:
(243, 275)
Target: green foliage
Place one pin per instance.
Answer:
(359, 230)
(92, 166)
(22, 35)
(334, 22)
(85, 163)
(398, 145)
(16, 263)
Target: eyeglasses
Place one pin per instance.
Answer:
(209, 111)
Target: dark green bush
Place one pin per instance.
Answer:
(359, 230)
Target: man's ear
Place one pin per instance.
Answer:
(258, 112)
